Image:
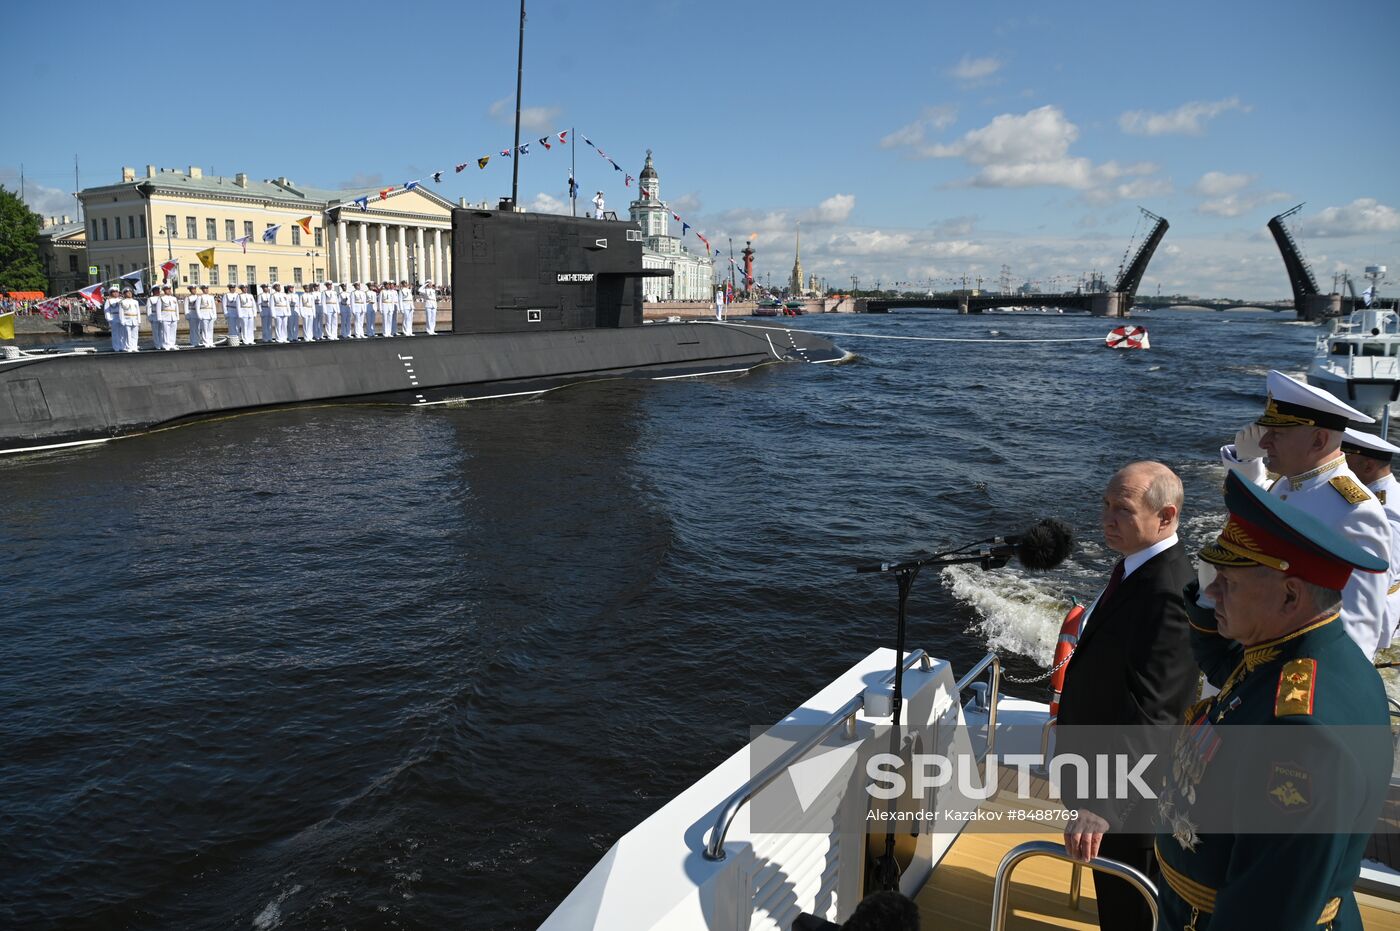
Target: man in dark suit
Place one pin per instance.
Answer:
(1132, 667)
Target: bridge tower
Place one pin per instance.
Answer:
(1125, 290)
(1308, 304)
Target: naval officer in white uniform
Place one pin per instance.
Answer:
(406, 307)
(306, 312)
(359, 302)
(1371, 457)
(112, 311)
(281, 304)
(1299, 438)
(228, 302)
(166, 318)
(129, 319)
(204, 316)
(265, 309)
(429, 307)
(247, 315)
(389, 307)
(192, 314)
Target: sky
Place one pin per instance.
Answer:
(914, 142)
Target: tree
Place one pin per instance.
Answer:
(20, 268)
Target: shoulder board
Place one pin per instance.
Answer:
(1349, 489)
(1296, 684)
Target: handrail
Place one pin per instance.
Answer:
(714, 850)
(993, 693)
(1001, 885)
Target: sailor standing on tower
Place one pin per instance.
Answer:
(359, 300)
(406, 307)
(598, 206)
(229, 302)
(1370, 457)
(265, 308)
(343, 294)
(204, 315)
(247, 315)
(281, 305)
(111, 310)
(192, 315)
(167, 319)
(371, 303)
(389, 307)
(328, 312)
(306, 311)
(130, 321)
(429, 307)
(1299, 437)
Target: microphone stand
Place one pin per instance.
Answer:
(991, 555)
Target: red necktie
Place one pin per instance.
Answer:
(1114, 578)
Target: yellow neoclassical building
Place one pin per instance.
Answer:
(170, 214)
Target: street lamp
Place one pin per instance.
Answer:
(313, 256)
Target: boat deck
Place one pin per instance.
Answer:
(959, 894)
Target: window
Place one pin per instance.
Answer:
(248, 228)
(116, 227)
(214, 275)
(192, 276)
(104, 227)
(233, 274)
(142, 225)
(251, 276)
(73, 263)
(320, 274)
(272, 274)
(130, 227)
(296, 235)
(170, 225)
(228, 232)
(211, 229)
(121, 268)
(318, 231)
(191, 228)
(92, 229)
(296, 275)
(106, 272)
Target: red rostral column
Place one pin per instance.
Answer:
(748, 266)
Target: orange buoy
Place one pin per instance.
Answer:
(1127, 337)
(1064, 649)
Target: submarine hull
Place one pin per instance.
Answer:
(50, 401)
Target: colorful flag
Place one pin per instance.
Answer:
(616, 166)
(270, 234)
(505, 153)
(705, 241)
(243, 241)
(362, 202)
(410, 185)
(544, 141)
(49, 309)
(562, 140)
(626, 180)
(206, 256)
(646, 195)
(685, 228)
(7, 326)
(437, 177)
(137, 279)
(305, 224)
(92, 294)
(481, 162)
(167, 269)
(384, 194)
(524, 148)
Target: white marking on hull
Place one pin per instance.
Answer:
(36, 449)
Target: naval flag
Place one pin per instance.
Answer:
(544, 141)
(167, 269)
(1368, 295)
(410, 185)
(243, 241)
(137, 280)
(362, 202)
(92, 294)
(437, 177)
(270, 234)
(562, 140)
(7, 325)
(305, 224)
(206, 257)
(481, 162)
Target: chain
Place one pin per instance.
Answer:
(1041, 678)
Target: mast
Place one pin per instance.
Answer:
(519, 72)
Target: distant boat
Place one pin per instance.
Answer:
(768, 307)
(1359, 360)
(795, 308)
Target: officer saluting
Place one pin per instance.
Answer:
(1370, 457)
(1285, 665)
(1299, 436)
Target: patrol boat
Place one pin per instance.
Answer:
(1358, 360)
(539, 302)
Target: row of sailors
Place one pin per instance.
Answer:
(327, 312)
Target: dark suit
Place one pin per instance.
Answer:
(1133, 666)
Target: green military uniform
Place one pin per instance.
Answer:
(1299, 876)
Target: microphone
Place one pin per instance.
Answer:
(1044, 546)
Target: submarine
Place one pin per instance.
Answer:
(539, 302)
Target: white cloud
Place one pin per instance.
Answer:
(1032, 149)
(547, 203)
(1137, 189)
(535, 119)
(45, 201)
(1218, 184)
(1361, 216)
(1188, 119)
(933, 118)
(975, 70)
(835, 209)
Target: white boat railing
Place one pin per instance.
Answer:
(1001, 885)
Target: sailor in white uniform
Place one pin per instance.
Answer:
(247, 316)
(1371, 457)
(1299, 437)
(371, 305)
(388, 307)
(359, 301)
(192, 315)
(112, 311)
(342, 293)
(129, 319)
(598, 206)
(228, 302)
(406, 307)
(306, 312)
(153, 315)
(281, 303)
(429, 307)
(265, 309)
(327, 312)
(205, 313)
(166, 319)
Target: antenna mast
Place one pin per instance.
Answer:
(519, 72)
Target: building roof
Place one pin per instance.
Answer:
(277, 189)
(648, 170)
(62, 231)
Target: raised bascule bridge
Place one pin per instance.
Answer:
(1115, 302)
(1308, 302)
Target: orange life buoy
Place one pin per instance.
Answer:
(1064, 649)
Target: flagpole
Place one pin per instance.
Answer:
(519, 73)
(573, 173)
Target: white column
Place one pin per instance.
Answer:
(403, 254)
(438, 278)
(330, 251)
(342, 252)
(360, 259)
(422, 257)
(447, 264)
(381, 270)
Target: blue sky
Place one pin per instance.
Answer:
(913, 141)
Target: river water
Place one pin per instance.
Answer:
(379, 667)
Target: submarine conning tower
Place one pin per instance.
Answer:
(521, 272)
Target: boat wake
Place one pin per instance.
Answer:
(1018, 615)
